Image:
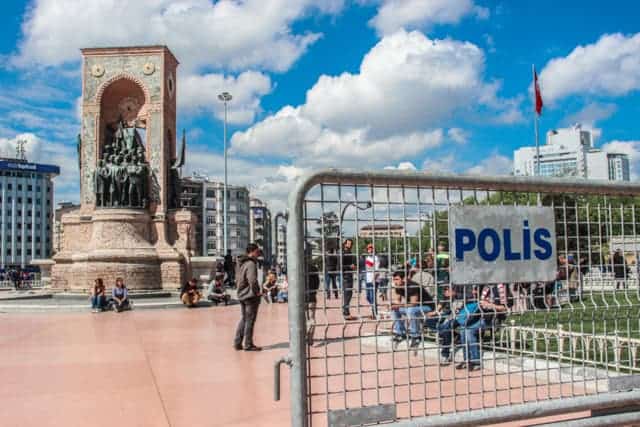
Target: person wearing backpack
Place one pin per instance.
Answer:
(249, 297)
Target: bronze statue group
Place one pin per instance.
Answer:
(122, 171)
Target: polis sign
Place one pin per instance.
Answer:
(502, 244)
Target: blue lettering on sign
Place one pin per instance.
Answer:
(489, 245)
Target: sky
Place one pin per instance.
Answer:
(434, 85)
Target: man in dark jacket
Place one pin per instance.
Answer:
(249, 297)
(348, 266)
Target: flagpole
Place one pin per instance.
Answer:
(535, 121)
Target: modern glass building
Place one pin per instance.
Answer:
(26, 217)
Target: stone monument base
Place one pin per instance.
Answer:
(114, 243)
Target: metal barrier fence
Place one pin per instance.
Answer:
(370, 345)
(23, 284)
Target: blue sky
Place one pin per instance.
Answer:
(440, 85)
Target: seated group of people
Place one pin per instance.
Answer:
(274, 291)
(190, 295)
(460, 315)
(118, 301)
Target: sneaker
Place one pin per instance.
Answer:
(474, 366)
(253, 348)
(445, 360)
(350, 317)
(414, 342)
(462, 365)
(237, 346)
(398, 338)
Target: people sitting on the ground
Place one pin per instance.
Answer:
(98, 297)
(412, 302)
(120, 296)
(481, 312)
(442, 322)
(270, 288)
(189, 294)
(216, 292)
(283, 290)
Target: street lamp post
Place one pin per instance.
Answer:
(225, 97)
(367, 205)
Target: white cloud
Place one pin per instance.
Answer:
(402, 166)
(443, 164)
(198, 94)
(496, 164)
(227, 34)
(608, 67)
(392, 110)
(589, 115)
(418, 14)
(631, 149)
(459, 136)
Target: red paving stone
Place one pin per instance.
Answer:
(140, 368)
(177, 368)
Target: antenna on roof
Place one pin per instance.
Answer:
(20, 151)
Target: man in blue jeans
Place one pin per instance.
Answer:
(412, 302)
(493, 306)
(442, 322)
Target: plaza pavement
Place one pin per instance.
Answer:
(172, 367)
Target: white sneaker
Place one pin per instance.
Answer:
(445, 360)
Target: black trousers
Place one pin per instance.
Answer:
(249, 311)
(347, 293)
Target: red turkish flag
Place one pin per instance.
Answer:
(539, 103)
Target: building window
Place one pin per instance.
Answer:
(38, 239)
(37, 252)
(211, 193)
(8, 251)
(29, 187)
(28, 226)
(211, 204)
(19, 187)
(28, 252)
(38, 189)
(211, 219)
(38, 214)
(211, 233)
(19, 199)
(29, 200)
(9, 199)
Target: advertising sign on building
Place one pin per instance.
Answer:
(502, 244)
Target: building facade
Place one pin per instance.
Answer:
(26, 219)
(58, 229)
(381, 231)
(205, 198)
(260, 227)
(570, 152)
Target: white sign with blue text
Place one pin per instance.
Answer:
(502, 244)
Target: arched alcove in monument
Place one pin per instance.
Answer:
(122, 169)
(122, 98)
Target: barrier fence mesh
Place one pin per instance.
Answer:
(390, 337)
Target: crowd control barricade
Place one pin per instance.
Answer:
(550, 264)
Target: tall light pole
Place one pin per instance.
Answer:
(225, 97)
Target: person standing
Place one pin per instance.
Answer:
(372, 269)
(348, 268)
(249, 297)
(332, 275)
(228, 268)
